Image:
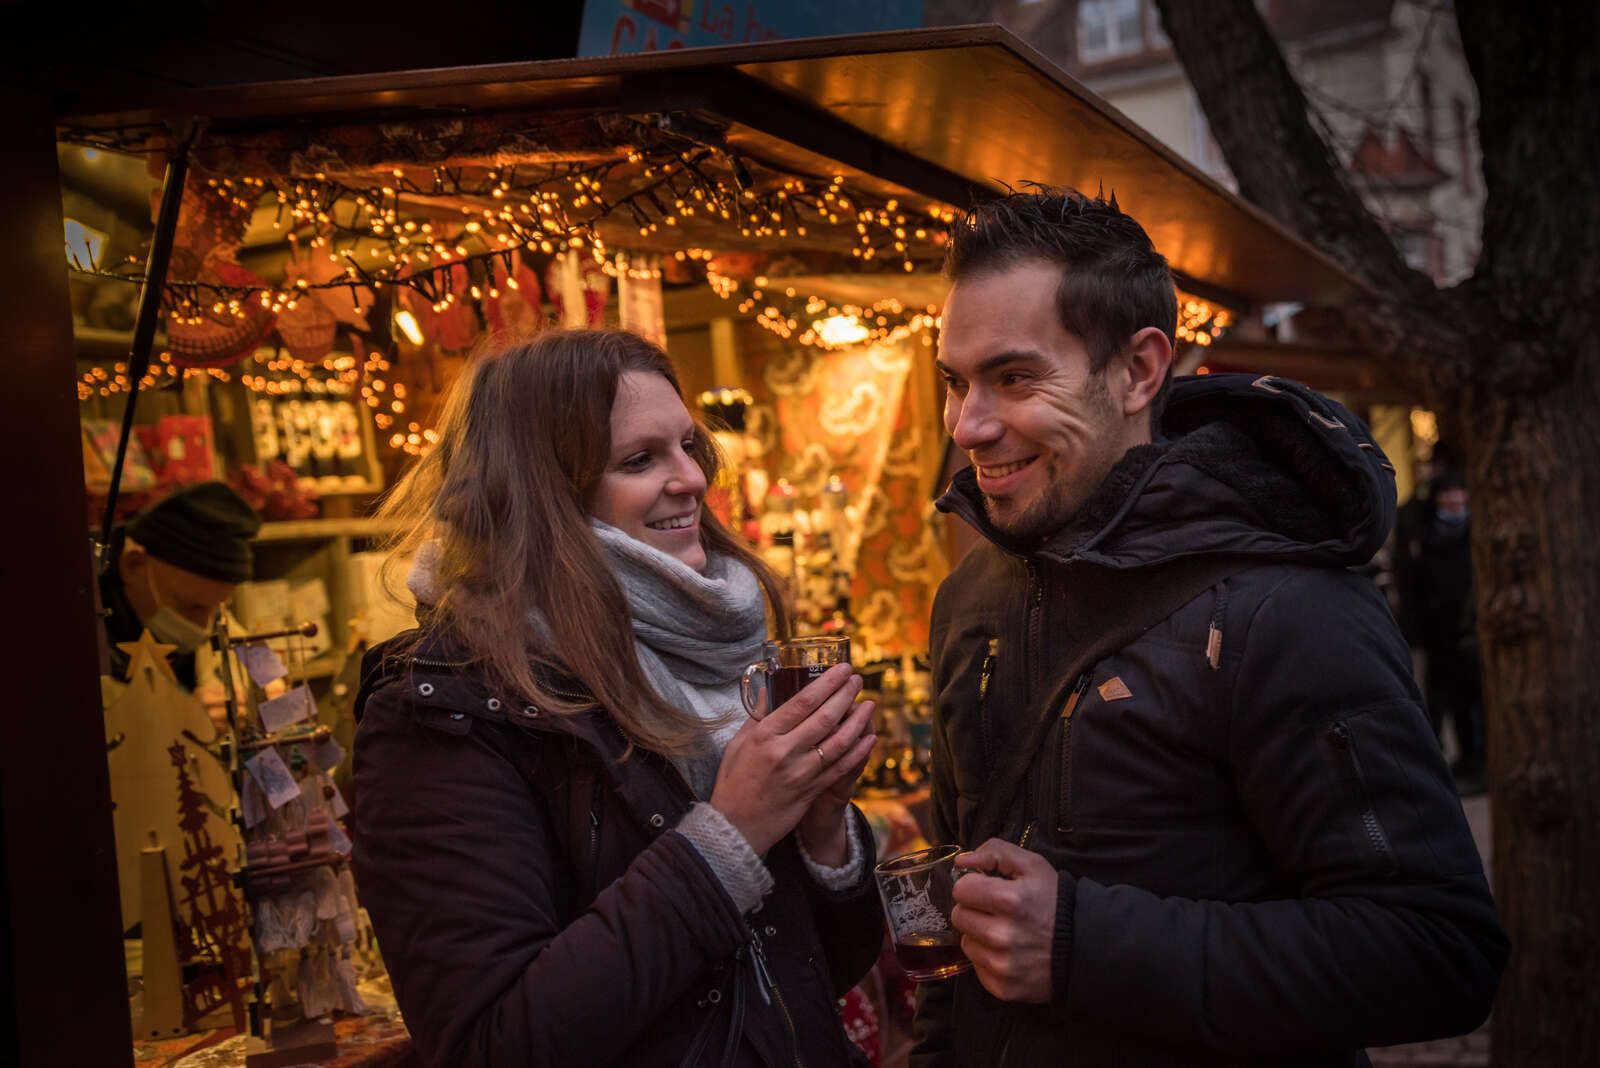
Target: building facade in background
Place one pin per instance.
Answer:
(1386, 79)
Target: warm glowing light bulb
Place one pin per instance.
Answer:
(841, 330)
(408, 326)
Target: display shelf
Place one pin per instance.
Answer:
(284, 530)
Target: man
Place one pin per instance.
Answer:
(173, 566)
(1434, 573)
(1208, 822)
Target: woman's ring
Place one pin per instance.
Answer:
(821, 756)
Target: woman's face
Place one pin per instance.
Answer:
(652, 488)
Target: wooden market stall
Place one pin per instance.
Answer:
(772, 213)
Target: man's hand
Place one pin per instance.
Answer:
(1006, 913)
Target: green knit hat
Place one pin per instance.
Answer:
(205, 528)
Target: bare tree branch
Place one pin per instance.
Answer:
(1537, 67)
(1259, 117)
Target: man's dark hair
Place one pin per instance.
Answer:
(1113, 281)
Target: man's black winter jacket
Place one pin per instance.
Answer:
(1263, 860)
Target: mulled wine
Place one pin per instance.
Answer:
(788, 681)
(786, 667)
(935, 955)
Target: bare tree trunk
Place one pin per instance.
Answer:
(1512, 356)
(1539, 622)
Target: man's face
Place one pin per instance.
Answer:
(1452, 501)
(1041, 429)
(148, 581)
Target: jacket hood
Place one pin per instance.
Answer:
(1246, 465)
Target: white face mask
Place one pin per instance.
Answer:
(170, 628)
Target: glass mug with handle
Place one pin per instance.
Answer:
(916, 889)
(786, 667)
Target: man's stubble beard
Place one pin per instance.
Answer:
(1054, 508)
(1063, 495)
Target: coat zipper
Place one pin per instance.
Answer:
(1344, 746)
(770, 992)
(1064, 794)
(985, 677)
(425, 662)
(1030, 785)
(594, 840)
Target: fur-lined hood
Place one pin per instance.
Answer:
(1246, 465)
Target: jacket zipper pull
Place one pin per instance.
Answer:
(763, 977)
(1076, 696)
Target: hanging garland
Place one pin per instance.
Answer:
(817, 322)
(409, 229)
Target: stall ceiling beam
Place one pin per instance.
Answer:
(741, 99)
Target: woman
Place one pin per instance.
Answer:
(575, 847)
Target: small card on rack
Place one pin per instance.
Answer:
(337, 803)
(325, 753)
(252, 804)
(272, 775)
(288, 708)
(338, 839)
(262, 663)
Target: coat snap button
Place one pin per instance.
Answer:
(771, 930)
(658, 820)
(494, 704)
(425, 688)
(715, 997)
(529, 710)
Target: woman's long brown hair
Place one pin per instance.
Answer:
(524, 437)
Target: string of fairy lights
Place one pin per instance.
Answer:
(455, 234)
(411, 227)
(819, 323)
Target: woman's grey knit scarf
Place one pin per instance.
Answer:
(694, 632)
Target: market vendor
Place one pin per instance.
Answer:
(172, 567)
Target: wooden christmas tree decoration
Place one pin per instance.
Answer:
(219, 955)
(144, 718)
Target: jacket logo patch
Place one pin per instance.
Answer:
(1114, 689)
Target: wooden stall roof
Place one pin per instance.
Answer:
(935, 113)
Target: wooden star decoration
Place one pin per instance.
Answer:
(148, 653)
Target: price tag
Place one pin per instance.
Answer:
(272, 775)
(288, 708)
(326, 754)
(262, 663)
(252, 803)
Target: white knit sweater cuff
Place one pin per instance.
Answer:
(846, 875)
(727, 854)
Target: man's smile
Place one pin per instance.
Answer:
(995, 478)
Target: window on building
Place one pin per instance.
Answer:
(1109, 28)
(1204, 151)
(1154, 35)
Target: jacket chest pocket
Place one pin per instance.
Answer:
(1124, 759)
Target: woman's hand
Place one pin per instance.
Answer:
(824, 829)
(774, 768)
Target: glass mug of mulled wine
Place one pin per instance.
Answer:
(916, 892)
(786, 667)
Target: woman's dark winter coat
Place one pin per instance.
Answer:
(535, 906)
(1262, 857)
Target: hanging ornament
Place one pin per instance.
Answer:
(513, 305)
(200, 337)
(446, 314)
